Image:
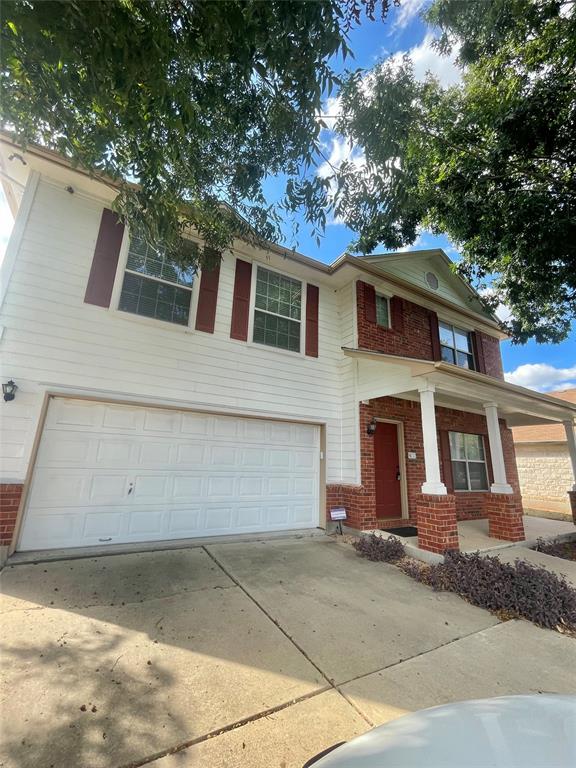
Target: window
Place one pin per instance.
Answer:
(277, 310)
(431, 280)
(155, 285)
(382, 311)
(456, 346)
(468, 462)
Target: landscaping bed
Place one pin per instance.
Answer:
(564, 549)
(510, 590)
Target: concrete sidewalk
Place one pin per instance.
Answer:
(257, 654)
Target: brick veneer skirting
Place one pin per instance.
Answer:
(360, 500)
(504, 513)
(437, 523)
(10, 495)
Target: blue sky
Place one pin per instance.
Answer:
(540, 366)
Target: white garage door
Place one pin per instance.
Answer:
(110, 473)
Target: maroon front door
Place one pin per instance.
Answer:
(387, 471)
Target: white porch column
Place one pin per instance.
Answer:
(500, 484)
(571, 440)
(433, 483)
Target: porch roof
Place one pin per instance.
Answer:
(381, 375)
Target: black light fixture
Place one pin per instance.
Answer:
(9, 390)
(371, 428)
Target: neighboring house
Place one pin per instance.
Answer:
(155, 404)
(544, 467)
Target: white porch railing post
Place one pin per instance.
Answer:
(500, 484)
(571, 440)
(433, 484)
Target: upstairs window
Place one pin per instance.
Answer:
(277, 310)
(155, 285)
(456, 346)
(468, 462)
(382, 311)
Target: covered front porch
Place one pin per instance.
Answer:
(455, 459)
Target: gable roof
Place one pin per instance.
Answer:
(418, 263)
(545, 433)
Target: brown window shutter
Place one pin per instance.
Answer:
(478, 350)
(397, 314)
(207, 299)
(446, 460)
(105, 260)
(312, 293)
(435, 336)
(369, 302)
(241, 300)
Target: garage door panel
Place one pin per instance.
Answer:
(182, 523)
(146, 522)
(59, 489)
(190, 455)
(155, 454)
(116, 473)
(195, 424)
(64, 414)
(102, 524)
(157, 421)
(68, 450)
(187, 488)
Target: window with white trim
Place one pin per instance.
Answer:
(468, 458)
(277, 310)
(155, 285)
(456, 346)
(382, 310)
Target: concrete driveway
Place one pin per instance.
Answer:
(252, 654)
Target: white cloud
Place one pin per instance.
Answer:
(341, 149)
(502, 311)
(542, 377)
(330, 111)
(427, 60)
(418, 242)
(409, 10)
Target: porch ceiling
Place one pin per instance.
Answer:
(381, 375)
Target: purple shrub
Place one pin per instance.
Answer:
(376, 548)
(518, 590)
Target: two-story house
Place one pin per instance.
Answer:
(155, 404)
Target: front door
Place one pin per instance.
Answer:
(387, 471)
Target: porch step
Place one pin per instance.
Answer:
(400, 522)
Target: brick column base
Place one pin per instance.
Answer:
(572, 497)
(436, 522)
(504, 513)
(10, 494)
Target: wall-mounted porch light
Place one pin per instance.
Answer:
(371, 428)
(9, 390)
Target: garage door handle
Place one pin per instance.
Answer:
(108, 539)
(130, 488)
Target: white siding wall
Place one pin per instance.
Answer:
(53, 341)
(350, 449)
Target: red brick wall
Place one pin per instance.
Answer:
(504, 513)
(415, 340)
(492, 355)
(10, 494)
(360, 501)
